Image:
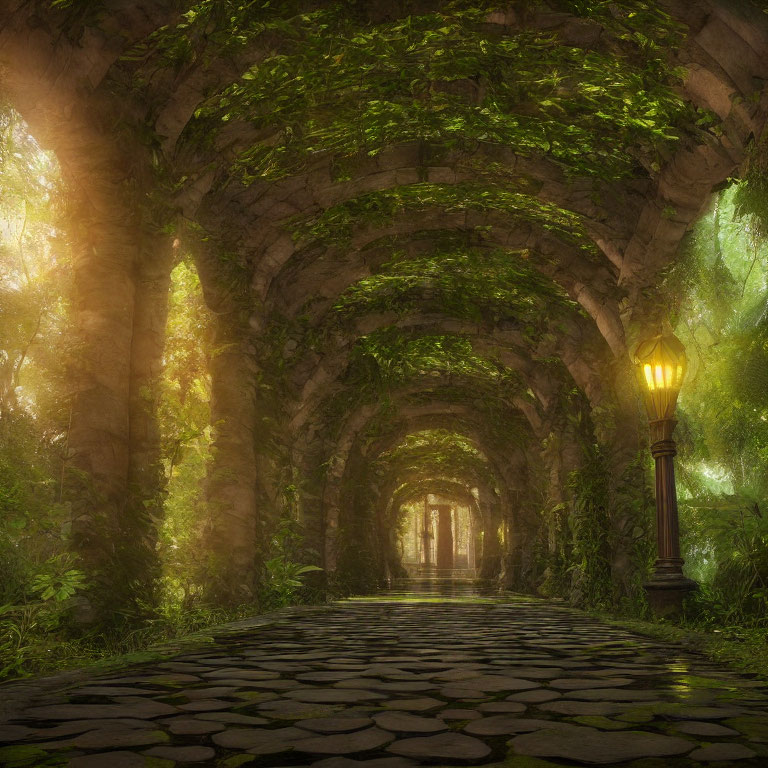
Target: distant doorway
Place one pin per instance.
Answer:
(437, 536)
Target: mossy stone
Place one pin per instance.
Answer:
(20, 755)
(649, 762)
(696, 681)
(236, 761)
(523, 761)
(752, 727)
(157, 762)
(640, 715)
(596, 721)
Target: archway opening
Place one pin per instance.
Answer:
(438, 537)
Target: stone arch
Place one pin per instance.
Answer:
(593, 286)
(330, 367)
(459, 418)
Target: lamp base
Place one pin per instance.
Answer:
(666, 594)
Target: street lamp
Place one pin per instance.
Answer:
(661, 365)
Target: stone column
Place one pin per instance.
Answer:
(444, 538)
(667, 586)
(426, 537)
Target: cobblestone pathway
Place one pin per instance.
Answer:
(389, 683)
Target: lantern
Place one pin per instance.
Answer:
(661, 367)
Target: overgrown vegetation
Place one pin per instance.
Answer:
(40, 578)
(452, 78)
(456, 165)
(721, 286)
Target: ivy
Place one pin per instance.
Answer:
(335, 225)
(342, 85)
(486, 286)
(435, 453)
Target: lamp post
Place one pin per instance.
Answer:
(661, 365)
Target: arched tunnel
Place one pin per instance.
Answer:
(387, 266)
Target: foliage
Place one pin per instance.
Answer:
(482, 285)
(436, 453)
(285, 572)
(335, 224)
(590, 528)
(184, 417)
(338, 92)
(722, 285)
(340, 83)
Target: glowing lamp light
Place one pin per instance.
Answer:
(661, 367)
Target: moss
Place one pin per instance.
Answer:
(157, 762)
(596, 721)
(21, 755)
(747, 654)
(752, 727)
(236, 761)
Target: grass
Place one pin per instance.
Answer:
(742, 649)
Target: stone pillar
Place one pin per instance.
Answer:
(491, 560)
(471, 541)
(426, 537)
(444, 537)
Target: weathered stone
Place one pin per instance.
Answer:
(193, 754)
(402, 722)
(582, 707)
(754, 728)
(588, 745)
(231, 717)
(613, 694)
(70, 727)
(345, 743)
(285, 709)
(494, 684)
(206, 705)
(459, 714)
(208, 692)
(108, 760)
(333, 696)
(696, 728)
(444, 746)
(105, 738)
(604, 723)
(506, 725)
(584, 683)
(346, 762)
(684, 712)
(502, 706)
(260, 741)
(190, 726)
(536, 696)
(15, 733)
(722, 751)
(414, 705)
(113, 691)
(141, 708)
(336, 724)
(241, 673)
